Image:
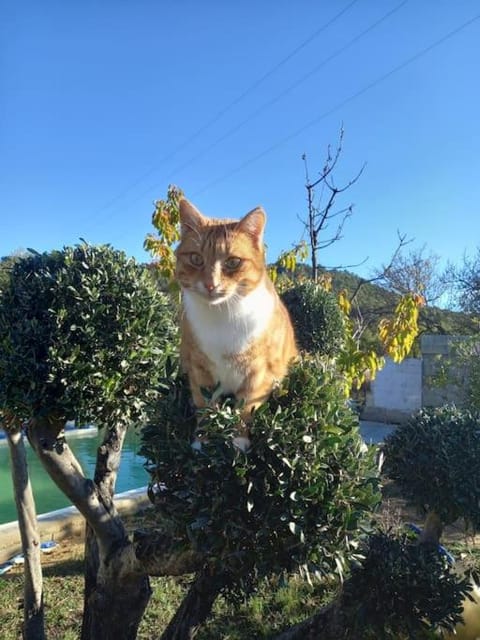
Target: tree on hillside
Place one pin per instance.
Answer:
(415, 272)
(466, 282)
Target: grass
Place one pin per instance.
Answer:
(274, 607)
(270, 610)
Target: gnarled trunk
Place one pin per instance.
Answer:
(33, 623)
(99, 605)
(195, 608)
(432, 529)
(117, 595)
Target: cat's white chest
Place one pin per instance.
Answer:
(225, 330)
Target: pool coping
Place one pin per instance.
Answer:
(63, 523)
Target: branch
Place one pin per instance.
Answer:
(157, 554)
(196, 606)
(338, 235)
(33, 611)
(402, 242)
(348, 266)
(323, 215)
(48, 441)
(349, 184)
(108, 459)
(327, 624)
(330, 163)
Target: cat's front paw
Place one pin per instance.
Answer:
(243, 443)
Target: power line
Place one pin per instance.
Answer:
(341, 104)
(273, 100)
(231, 104)
(278, 97)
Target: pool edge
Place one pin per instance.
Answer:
(63, 523)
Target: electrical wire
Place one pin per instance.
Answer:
(272, 101)
(230, 105)
(339, 105)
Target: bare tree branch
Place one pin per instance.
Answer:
(402, 242)
(319, 215)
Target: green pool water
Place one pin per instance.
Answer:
(84, 443)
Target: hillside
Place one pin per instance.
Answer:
(374, 302)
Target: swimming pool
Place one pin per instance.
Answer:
(84, 444)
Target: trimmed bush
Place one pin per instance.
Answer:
(297, 499)
(434, 458)
(403, 590)
(317, 318)
(84, 334)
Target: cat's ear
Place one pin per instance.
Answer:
(190, 216)
(253, 224)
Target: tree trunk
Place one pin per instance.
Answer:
(121, 591)
(328, 624)
(116, 609)
(33, 624)
(95, 594)
(195, 608)
(432, 529)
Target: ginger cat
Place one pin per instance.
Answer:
(235, 331)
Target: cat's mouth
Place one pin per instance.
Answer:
(216, 297)
(211, 297)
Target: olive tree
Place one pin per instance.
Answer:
(433, 458)
(33, 619)
(296, 501)
(84, 335)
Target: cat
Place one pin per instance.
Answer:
(236, 334)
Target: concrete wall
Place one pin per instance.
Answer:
(401, 389)
(396, 392)
(437, 351)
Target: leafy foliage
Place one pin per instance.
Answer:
(166, 220)
(398, 333)
(374, 302)
(318, 320)
(286, 265)
(460, 368)
(407, 590)
(434, 458)
(298, 498)
(83, 334)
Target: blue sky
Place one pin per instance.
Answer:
(103, 104)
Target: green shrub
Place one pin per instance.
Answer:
(317, 318)
(83, 334)
(434, 458)
(297, 499)
(406, 590)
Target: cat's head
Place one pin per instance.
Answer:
(220, 260)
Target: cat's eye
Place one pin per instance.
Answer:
(232, 263)
(196, 259)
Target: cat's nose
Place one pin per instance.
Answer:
(209, 286)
